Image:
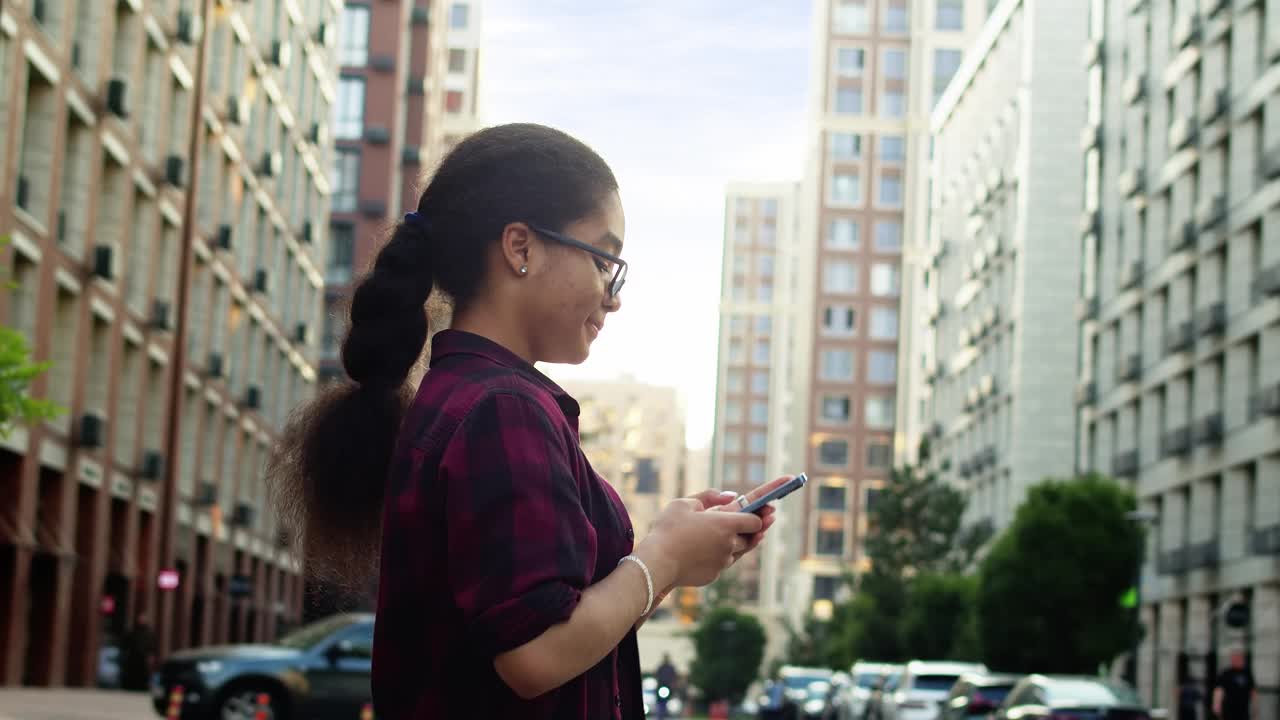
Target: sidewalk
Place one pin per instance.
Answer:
(73, 704)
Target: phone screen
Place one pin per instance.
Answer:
(777, 493)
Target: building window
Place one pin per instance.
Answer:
(893, 149)
(949, 15)
(353, 36)
(843, 234)
(769, 208)
(836, 365)
(342, 243)
(884, 323)
(732, 442)
(733, 412)
(345, 179)
(833, 453)
(830, 542)
(839, 320)
(839, 276)
(895, 16)
(824, 588)
(348, 109)
(850, 62)
(878, 412)
(849, 101)
(737, 351)
(895, 64)
(835, 408)
(759, 443)
(888, 236)
(760, 382)
(890, 189)
(945, 63)
(764, 325)
(764, 264)
(734, 381)
(879, 455)
(832, 497)
(755, 473)
(851, 17)
(459, 16)
(457, 60)
(737, 324)
(760, 355)
(764, 293)
(732, 474)
(893, 104)
(740, 264)
(846, 189)
(882, 367)
(885, 280)
(845, 146)
(453, 101)
(872, 499)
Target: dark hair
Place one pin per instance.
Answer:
(328, 473)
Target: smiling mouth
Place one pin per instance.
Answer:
(595, 329)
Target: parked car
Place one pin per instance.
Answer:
(925, 685)
(796, 691)
(319, 672)
(976, 696)
(1065, 697)
(865, 679)
(887, 686)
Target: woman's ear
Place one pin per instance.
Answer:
(516, 247)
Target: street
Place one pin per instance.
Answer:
(73, 704)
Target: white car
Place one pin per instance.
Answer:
(924, 687)
(866, 677)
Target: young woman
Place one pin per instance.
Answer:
(510, 584)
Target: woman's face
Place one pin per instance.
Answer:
(572, 290)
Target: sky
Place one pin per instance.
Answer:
(680, 97)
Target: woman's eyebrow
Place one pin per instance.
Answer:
(614, 245)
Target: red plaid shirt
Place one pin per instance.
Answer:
(495, 523)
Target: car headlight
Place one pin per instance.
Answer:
(813, 707)
(209, 667)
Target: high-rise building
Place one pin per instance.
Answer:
(461, 93)
(754, 432)
(389, 130)
(992, 377)
(1180, 319)
(879, 65)
(165, 194)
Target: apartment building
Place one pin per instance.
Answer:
(1179, 390)
(995, 370)
(878, 66)
(164, 193)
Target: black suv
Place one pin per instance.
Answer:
(318, 672)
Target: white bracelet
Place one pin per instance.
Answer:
(648, 580)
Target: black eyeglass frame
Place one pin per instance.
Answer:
(620, 265)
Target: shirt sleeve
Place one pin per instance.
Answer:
(520, 545)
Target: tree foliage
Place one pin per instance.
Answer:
(17, 372)
(1049, 597)
(917, 526)
(728, 648)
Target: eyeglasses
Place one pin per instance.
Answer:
(619, 265)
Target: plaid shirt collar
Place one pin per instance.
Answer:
(451, 342)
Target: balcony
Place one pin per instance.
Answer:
(1087, 309)
(1212, 320)
(1175, 443)
(1090, 223)
(1180, 338)
(1131, 182)
(1135, 88)
(1215, 106)
(1208, 430)
(1202, 556)
(1265, 403)
(1092, 54)
(1184, 237)
(1131, 275)
(1186, 30)
(1130, 369)
(1211, 211)
(1182, 133)
(1269, 164)
(1091, 137)
(1266, 283)
(1265, 541)
(1125, 464)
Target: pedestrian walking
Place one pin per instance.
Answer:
(137, 655)
(1235, 696)
(510, 582)
(1190, 699)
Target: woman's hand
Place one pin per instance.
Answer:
(686, 546)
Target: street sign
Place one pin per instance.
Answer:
(168, 579)
(1238, 615)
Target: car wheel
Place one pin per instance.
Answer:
(245, 703)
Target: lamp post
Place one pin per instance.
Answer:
(1144, 519)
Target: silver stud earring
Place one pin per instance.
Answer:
(524, 269)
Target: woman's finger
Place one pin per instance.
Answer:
(711, 498)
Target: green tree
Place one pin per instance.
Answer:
(1049, 596)
(917, 526)
(938, 618)
(728, 648)
(17, 372)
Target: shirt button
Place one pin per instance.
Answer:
(631, 534)
(617, 700)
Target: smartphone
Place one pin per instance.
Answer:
(777, 493)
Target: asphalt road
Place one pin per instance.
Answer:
(74, 704)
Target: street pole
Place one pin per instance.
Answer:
(178, 358)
